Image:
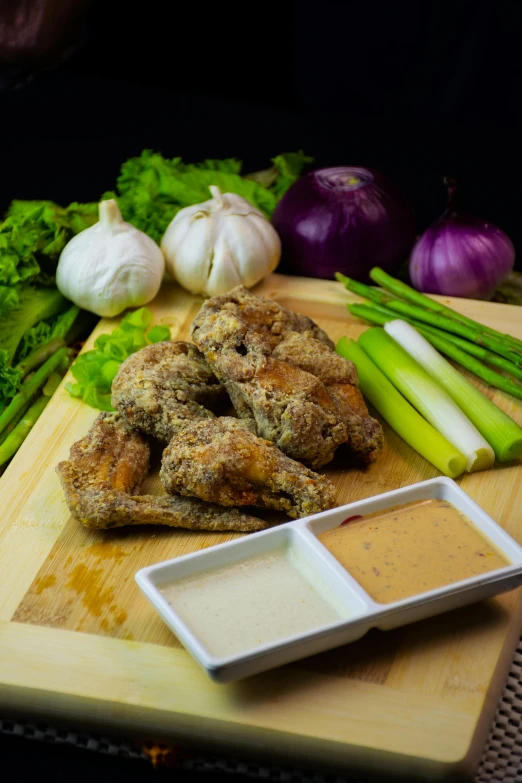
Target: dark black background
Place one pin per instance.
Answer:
(417, 89)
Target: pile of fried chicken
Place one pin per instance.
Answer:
(295, 401)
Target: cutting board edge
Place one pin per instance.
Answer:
(174, 727)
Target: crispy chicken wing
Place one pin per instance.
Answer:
(365, 435)
(104, 472)
(282, 373)
(222, 461)
(241, 320)
(163, 387)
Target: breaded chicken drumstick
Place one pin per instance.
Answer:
(104, 473)
(164, 386)
(223, 462)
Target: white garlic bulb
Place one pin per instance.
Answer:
(110, 266)
(212, 247)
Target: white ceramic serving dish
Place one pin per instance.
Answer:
(362, 612)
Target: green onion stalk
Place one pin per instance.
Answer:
(499, 430)
(449, 346)
(400, 415)
(427, 396)
(496, 344)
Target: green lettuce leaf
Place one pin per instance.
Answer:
(33, 235)
(151, 189)
(34, 305)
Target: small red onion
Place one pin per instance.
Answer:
(461, 255)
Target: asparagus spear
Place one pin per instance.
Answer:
(16, 432)
(472, 348)
(381, 315)
(40, 377)
(408, 311)
(39, 355)
(372, 313)
(12, 424)
(366, 291)
(71, 326)
(405, 291)
(438, 339)
(19, 433)
(17, 436)
(473, 365)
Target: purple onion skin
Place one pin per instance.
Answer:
(460, 255)
(328, 223)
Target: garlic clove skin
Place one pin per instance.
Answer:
(195, 246)
(214, 246)
(110, 266)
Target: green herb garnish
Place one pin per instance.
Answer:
(94, 370)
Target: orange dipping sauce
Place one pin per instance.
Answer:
(411, 549)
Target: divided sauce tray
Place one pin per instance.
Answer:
(356, 612)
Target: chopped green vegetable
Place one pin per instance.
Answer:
(141, 318)
(158, 333)
(430, 399)
(504, 434)
(400, 415)
(94, 370)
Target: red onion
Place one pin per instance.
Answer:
(461, 255)
(345, 219)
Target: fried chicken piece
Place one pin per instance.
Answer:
(104, 472)
(222, 461)
(239, 320)
(281, 372)
(287, 406)
(365, 435)
(162, 387)
(237, 333)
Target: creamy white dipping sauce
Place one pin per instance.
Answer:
(259, 600)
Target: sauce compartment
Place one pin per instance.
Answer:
(279, 595)
(458, 554)
(245, 600)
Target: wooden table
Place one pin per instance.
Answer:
(80, 644)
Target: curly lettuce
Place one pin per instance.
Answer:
(151, 189)
(33, 235)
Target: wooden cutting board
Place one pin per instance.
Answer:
(80, 645)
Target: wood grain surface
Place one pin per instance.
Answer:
(78, 641)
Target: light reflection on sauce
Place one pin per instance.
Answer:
(410, 549)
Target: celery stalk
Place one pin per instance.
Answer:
(428, 397)
(400, 415)
(504, 434)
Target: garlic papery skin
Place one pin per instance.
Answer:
(214, 246)
(110, 266)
